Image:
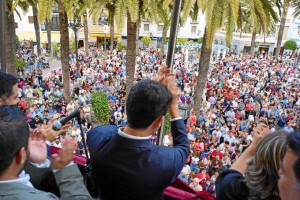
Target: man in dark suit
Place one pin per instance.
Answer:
(126, 164)
(18, 147)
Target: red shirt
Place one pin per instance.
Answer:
(201, 176)
(23, 104)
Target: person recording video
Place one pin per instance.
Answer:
(126, 165)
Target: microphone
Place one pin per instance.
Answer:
(57, 125)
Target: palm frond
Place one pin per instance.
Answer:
(121, 12)
(187, 7)
(230, 22)
(235, 8)
(296, 13)
(133, 9)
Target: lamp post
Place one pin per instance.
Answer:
(104, 22)
(105, 27)
(75, 25)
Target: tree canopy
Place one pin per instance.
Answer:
(290, 45)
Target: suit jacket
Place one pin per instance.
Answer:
(126, 168)
(69, 181)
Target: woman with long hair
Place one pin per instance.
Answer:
(264, 157)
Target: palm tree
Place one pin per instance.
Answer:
(64, 41)
(285, 8)
(220, 14)
(10, 40)
(296, 14)
(36, 29)
(48, 26)
(111, 20)
(164, 13)
(255, 23)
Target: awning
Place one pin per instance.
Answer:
(30, 35)
(103, 35)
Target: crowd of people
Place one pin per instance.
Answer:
(241, 92)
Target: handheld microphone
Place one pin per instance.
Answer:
(57, 125)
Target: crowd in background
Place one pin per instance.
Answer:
(241, 92)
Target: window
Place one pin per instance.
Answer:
(216, 42)
(298, 30)
(146, 27)
(54, 24)
(193, 29)
(160, 28)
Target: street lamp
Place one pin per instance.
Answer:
(75, 25)
(104, 21)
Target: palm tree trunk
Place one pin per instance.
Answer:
(131, 52)
(36, 29)
(10, 40)
(206, 51)
(86, 34)
(112, 32)
(253, 43)
(48, 27)
(164, 41)
(281, 28)
(64, 48)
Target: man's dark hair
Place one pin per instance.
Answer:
(7, 81)
(146, 101)
(14, 134)
(294, 144)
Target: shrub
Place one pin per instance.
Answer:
(290, 45)
(100, 107)
(20, 63)
(146, 40)
(181, 41)
(200, 40)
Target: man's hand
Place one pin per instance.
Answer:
(37, 147)
(59, 161)
(50, 134)
(169, 80)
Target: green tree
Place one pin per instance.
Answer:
(146, 40)
(290, 45)
(200, 40)
(100, 107)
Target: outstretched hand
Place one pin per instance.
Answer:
(65, 155)
(51, 135)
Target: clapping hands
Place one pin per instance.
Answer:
(65, 155)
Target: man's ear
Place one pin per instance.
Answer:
(2, 102)
(21, 156)
(158, 121)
